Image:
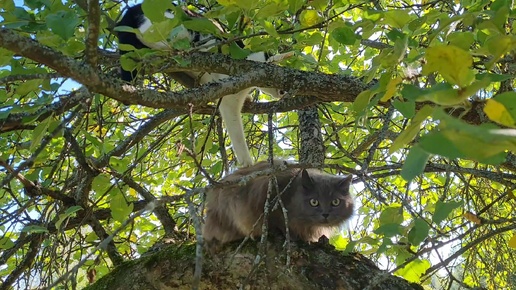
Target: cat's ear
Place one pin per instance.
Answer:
(306, 180)
(345, 183)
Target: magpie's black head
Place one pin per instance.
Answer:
(134, 18)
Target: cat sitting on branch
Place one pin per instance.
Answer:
(313, 204)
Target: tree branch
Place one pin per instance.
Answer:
(93, 32)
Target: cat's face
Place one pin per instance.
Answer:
(322, 199)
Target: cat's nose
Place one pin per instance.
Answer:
(325, 215)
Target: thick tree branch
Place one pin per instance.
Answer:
(324, 87)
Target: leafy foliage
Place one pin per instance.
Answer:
(92, 176)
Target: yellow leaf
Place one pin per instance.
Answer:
(133, 192)
(452, 62)
(512, 242)
(497, 112)
(472, 218)
(309, 18)
(392, 86)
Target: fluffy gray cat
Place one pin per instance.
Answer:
(316, 204)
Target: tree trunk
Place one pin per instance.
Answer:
(311, 148)
(315, 266)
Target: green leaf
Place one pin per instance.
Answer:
(6, 243)
(39, 132)
(91, 237)
(7, 5)
(415, 163)
(411, 131)
(28, 87)
(412, 92)
(397, 18)
(389, 230)
(68, 213)
(390, 221)
(444, 209)
(162, 32)
(120, 164)
(155, 10)
(101, 183)
(361, 101)
(63, 23)
(437, 143)
(271, 9)
(407, 109)
(392, 214)
(237, 52)
(295, 5)
(34, 229)
(485, 143)
(414, 270)
(269, 27)
(73, 209)
(463, 40)
(120, 209)
(344, 35)
(202, 25)
(5, 56)
(419, 232)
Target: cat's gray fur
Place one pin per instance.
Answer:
(232, 210)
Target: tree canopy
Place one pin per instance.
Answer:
(414, 98)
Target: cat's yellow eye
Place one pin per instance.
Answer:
(314, 202)
(335, 202)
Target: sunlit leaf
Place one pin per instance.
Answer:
(120, 209)
(414, 270)
(309, 18)
(453, 63)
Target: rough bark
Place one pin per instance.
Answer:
(311, 141)
(316, 266)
